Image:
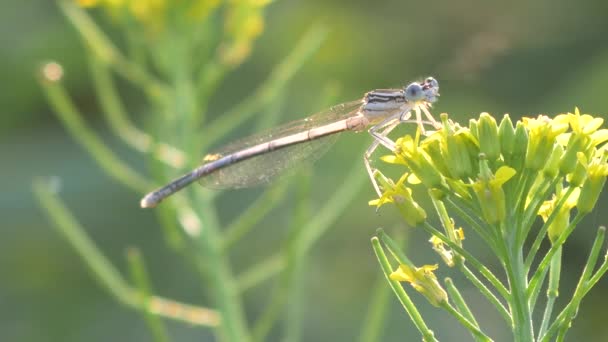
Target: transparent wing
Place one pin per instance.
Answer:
(267, 166)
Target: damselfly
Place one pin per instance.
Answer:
(260, 158)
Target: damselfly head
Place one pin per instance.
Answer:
(426, 91)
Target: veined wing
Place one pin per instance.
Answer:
(264, 167)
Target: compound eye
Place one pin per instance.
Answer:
(414, 92)
(432, 82)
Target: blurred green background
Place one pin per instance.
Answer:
(517, 57)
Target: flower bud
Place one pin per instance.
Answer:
(489, 144)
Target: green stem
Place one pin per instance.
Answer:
(521, 196)
(254, 213)
(486, 292)
(260, 272)
(604, 266)
(87, 138)
(105, 273)
(482, 231)
(459, 302)
(120, 123)
(288, 282)
(376, 314)
(543, 231)
(333, 207)
(534, 281)
(478, 334)
(406, 302)
(518, 301)
(481, 268)
(320, 222)
(563, 321)
(534, 295)
(101, 46)
(552, 290)
(446, 222)
(267, 92)
(533, 207)
(140, 278)
(393, 247)
(224, 287)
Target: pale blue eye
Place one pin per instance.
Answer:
(414, 92)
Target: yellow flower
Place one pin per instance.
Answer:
(542, 132)
(87, 3)
(584, 124)
(409, 153)
(562, 220)
(490, 194)
(401, 196)
(597, 170)
(244, 23)
(444, 252)
(422, 280)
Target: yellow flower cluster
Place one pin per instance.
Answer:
(243, 19)
(486, 161)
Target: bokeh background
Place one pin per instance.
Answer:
(518, 57)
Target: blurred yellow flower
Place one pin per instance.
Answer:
(422, 280)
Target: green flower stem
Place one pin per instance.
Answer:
(103, 271)
(273, 309)
(586, 282)
(535, 294)
(482, 231)
(185, 100)
(542, 233)
(312, 231)
(288, 282)
(209, 77)
(520, 312)
(582, 285)
(140, 278)
(522, 194)
(603, 267)
(393, 247)
(459, 302)
(268, 91)
(481, 268)
(85, 136)
(294, 319)
(478, 334)
(402, 259)
(375, 316)
(486, 292)
(324, 218)
(254, 213)
(552, 290)
(532, 209)
(534, 281)
(122, 126)
(261, 272)
(136, 49)
(219, 274)
(101, 46)
(444, 217)
(296, 258)
(408, 305)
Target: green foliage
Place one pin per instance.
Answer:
(167, 59)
